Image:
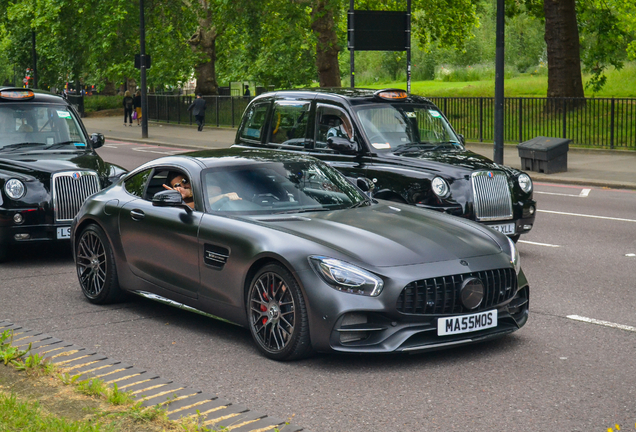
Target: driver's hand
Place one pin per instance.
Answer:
(233, 196)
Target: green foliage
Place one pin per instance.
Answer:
(117, 397)
(99, 103)
(34, 363)
(9, 353)
(91, 387)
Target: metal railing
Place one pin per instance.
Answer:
(594, 122)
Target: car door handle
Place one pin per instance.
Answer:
(137, 214)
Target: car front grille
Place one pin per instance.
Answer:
(69, 191)
(491, 196)
(441, 296)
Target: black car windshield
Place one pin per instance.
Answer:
(391, 127)
(27, 126)
(279, 187)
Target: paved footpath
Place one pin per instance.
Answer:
(587, 167)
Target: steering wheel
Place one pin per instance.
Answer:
(218, 205)
(264, 198)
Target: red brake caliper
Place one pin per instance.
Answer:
(264, 308)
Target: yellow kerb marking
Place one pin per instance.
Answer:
(26, 337)
(68, 361)
(162, 394)
(177, 399)
(65, 354)
(241, 424)
(218, 419)
(122, 378)
(265, 429)
(135, 383)
(208, 411)
(68, 369)
(149, 388)
(51, 350)
(92, 370)
(110, 373)
(189, 406)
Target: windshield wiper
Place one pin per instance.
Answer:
(424, 146)
(359, 204)
(20, 145)
(306, 210)
(64, 144)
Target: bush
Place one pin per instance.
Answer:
(99, 103)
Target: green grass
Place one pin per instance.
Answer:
(619, 84)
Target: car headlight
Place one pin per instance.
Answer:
(440, 187)
(346, 277)
(514, 255)
(525, 183)
(14, 189)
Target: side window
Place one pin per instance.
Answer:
(135, 184)
(331, 122)
(289, 123)
(254, 122)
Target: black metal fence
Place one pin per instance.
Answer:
(220, 110)
(594, 122)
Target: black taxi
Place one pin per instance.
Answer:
(402, 143)
(48, 167)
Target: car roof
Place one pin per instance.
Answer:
(38, 96)
(352, 96)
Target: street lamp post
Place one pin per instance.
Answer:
(142, 68)
(499, 84)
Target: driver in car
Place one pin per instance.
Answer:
(341, 129)
(180, 183)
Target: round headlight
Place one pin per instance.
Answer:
(14, 189)
(440, 187)
(525, 183)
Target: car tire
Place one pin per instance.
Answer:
(277, 314)
(96, 269)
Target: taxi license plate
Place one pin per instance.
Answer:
(508, 228)
(64, 233)
(466, 323)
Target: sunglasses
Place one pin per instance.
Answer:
(181, 183)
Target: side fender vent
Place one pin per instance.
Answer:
(215, 256)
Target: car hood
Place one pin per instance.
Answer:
(454, 162)
(386, 235)
(43, 164)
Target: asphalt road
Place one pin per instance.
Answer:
(557, 373)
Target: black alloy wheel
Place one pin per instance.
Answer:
(96, 269)
(277, 314)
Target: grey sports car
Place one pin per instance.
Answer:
(288, 247)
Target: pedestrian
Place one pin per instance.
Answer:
(247, 92)
(137, 106)
(198, 110)
(128, 107)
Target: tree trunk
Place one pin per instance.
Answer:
(204, 43)
(564, 59)
(327, 49)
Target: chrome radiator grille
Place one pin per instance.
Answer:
(491, 196)
(440, 295)
(69, 190)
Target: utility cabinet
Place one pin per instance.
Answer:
(544, 154)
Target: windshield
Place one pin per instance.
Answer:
(25, 125)
(390, 127)
(279, 187)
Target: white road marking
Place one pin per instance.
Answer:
(110, 146)
(539, 244)
(584, 193)
(630, 255)
(588, 216)
(168, 152)
(603, 323)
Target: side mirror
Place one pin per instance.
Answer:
(342, 145)
(462, 139)
(365, 185)
(169, 198)
(97, 140)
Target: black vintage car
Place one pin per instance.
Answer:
(403, 143)
(284, 245)
(48, 167)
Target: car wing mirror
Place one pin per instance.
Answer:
(97, 140)
(342, 145)
(365, 185)
(170, 198)
(462, 139)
